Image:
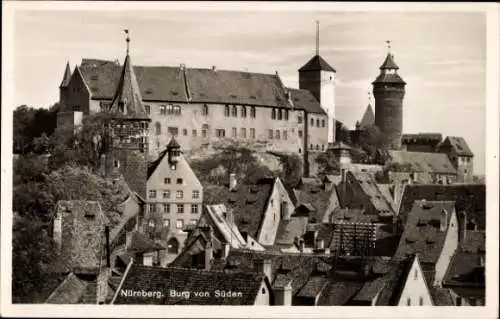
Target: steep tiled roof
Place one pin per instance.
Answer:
(371, 189)
(441, 296)
(422, 234)
(465, 269)
(389, 63)
(304, 100)
(140, 243)
(437, 163)
(82, 235)
(457, 143)
(248, 203)
(69, 291)
(370, 289)
(368, 118)
(66, 77)
(313, 287)
(312, 192)
(191, 280)
(224, 226)
(317, 63)
(174, 84)
(394, 282)
(154, 164)
(288, 230)
(339, 292)
(127, 100)
(471, 198)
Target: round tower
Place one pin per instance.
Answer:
(389, 91)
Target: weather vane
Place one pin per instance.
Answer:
(317, 37)
(388, 42)
(127, 39)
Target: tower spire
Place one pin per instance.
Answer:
(317, 37)
(388, 42)
(128, 40)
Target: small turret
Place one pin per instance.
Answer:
(174, 151)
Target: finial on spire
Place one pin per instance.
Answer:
(388, 42)
(369, 97)
(317, 37)
(127, 39)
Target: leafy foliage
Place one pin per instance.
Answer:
(291, 168)
(31, 123)
(372, 144)
(327, 164)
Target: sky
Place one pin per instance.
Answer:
(442, 56)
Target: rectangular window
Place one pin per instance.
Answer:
(408, 301)
(194, 133)
(286, 115)
(152, 208)
(285, 135)
(193, 221)
(196, 194)
(270, 134)
(234, 132)
(234, 111)
(179, 181)
(179, 194)
(166, 223)
(252, 133)
(173, 130)
(220, 132)
(299, 119)
(244, 132)
(180, 208)
(179, 224)
(312, 122)
(280, 114)
(163, 110)
(147, 109)
(226, 110)
(173, 167)
(194, 208)
(204, 133)
(166, 208)
(167, 180)
(184, 132)
(420, 301)
(243, 111)
(277, 134)
(300, 133)
(252, 112)
(166, 194)
(152, 194)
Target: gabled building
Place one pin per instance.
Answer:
(403, 285)
(257, 209)
(420, 168)
(460, 156)
(175, 197)
(315, 198)
(182, 286)
(465, 277)
(431, 231)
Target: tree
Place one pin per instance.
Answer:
(291, 168)
(373, 144)
(30, 123)
(327, 164)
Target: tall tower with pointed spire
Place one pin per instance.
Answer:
(389, 91)
(318, 77)
(126, 141)
(63, 88)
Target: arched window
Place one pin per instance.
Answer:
(158, 128)
(273, 114)
(252, 112)
(243, 111)
(173, 246)
(226, 110)
(317, 122)
(204, 109)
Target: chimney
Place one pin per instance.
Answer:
(214, 68)
(108, 248)
(264, 265)
(232, 181)
(443, 220)
(283, 295)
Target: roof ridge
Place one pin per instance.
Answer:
(198, 270)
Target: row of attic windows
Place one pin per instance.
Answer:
(167, 208)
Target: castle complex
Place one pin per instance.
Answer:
(202, 106)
